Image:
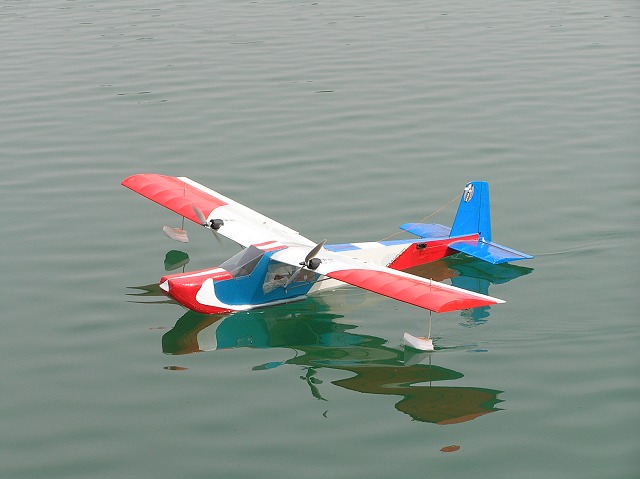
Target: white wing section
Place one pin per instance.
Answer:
(241, 224)
(246, 226)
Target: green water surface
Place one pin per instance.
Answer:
(342, 121)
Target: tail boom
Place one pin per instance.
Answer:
(423, 252)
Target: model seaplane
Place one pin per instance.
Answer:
(278, 264)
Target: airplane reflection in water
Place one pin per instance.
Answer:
(376, 367)
(473, 275)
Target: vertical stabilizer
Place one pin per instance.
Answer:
(473, 214)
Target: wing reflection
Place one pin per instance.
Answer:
(311, 329)
(325, 343)
(471, 274)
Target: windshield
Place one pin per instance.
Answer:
(244, 262)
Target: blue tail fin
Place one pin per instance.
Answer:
(473, 214)
(473, 217)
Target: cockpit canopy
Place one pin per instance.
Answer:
(243, 263)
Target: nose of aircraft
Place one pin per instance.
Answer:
(184, 287)
(183, 290)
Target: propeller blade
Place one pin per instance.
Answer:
(216, 235)
(205, 223)
(314, 252)
(292, 278)
(203, 220)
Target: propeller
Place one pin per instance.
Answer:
(310, 262)
(213, 225)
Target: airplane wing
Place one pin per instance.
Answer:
(425, 293)
(241, 224)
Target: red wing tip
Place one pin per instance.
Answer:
(460, 304)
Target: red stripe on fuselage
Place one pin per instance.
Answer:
(270, 246)
(427, 252)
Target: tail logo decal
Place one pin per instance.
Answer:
(468, 193)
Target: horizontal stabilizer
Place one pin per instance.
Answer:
(488, 251)
(424, 230)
